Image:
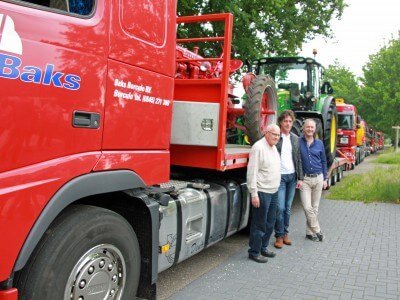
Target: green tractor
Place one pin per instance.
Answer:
(299, 87)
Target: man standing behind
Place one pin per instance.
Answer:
(315, 174)
(291, 176)
(263, 178)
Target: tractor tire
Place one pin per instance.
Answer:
(330, 133)
(261, 95)
(319, 130)
(87, 253)
(297, 127)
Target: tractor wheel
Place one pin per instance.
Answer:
(81, 257)
(330, 134)
(260, 107)
(319, 130)
(297, 127)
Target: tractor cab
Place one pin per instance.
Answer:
(298, 81)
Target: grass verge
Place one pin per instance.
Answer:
(378, 185)
(388, 158)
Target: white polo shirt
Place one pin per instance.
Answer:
(287, 165)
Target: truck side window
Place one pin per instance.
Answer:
(80, 7)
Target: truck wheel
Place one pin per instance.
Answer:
(260, 107)
(87, 253)
(330, 133)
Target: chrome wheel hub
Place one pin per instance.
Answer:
(99, 274)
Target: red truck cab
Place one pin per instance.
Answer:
(86, 109)
(347, 116)
(93, 118)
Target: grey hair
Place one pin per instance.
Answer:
(273, 126)
(310, 120)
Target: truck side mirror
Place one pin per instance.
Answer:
(326, 88)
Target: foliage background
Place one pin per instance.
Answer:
(265, 27)
(377, 93)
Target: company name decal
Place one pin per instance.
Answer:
(138, 93)
(11, 68)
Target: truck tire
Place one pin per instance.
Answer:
(87, 253)
(261, 95)
(330, 133)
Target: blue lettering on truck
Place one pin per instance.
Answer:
(10, 68)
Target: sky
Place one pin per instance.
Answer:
(365, 26)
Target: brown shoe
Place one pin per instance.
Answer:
(279, 242)
(286, 240)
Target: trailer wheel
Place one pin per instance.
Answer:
(334, 178)
(328, 186)
(330, 133)
(87, 253)
(340, 174)
(260, 107)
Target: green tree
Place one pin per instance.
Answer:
(381, 91)
(344, 82)
(264, 27)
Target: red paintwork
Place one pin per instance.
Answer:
(23, 194)
(11, 294)
(200, 87)
(139, 124)
(35, 123)
(349, 149)
(380, 139)
(149, 164)
(40, 149)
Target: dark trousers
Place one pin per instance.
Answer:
(262, 223)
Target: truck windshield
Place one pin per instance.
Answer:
(345, 121)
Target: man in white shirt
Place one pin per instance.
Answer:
(291, 176)
(263, 179)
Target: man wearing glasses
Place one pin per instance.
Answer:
(263, 179)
